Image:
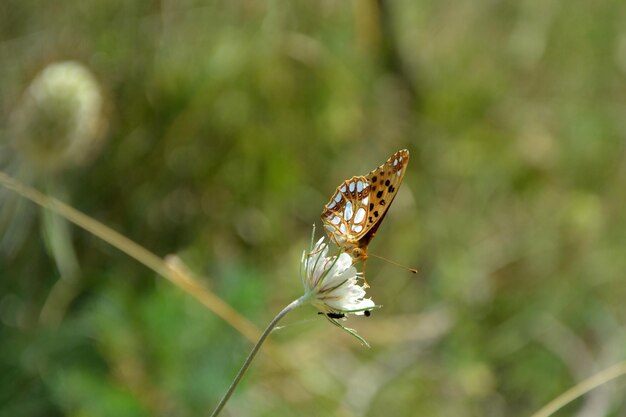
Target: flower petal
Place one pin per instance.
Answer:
(332, 283)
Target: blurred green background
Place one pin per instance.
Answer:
(218, 130)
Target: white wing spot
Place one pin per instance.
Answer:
(395, 162)
(343, 189)
(366, 201)
(342, 228)
(337, 197)
(332, 204)
(335, 220)
(359, 186)
(359, 216)
(347, 214)
(399, 172)
(357, 228)
(351, 187)
(330, 228)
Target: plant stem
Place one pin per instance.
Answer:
(253, 353)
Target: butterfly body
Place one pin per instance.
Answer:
(359, 205)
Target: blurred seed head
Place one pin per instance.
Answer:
(59, 119)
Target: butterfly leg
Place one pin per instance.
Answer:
(365, 284)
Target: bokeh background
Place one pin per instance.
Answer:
(218, 130)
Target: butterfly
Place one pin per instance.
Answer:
(358, 207)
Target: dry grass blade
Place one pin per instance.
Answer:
(175, 274)
(582, 388)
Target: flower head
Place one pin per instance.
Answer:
(331, 284)
(58, 122)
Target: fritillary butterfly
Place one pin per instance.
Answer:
(358, 207)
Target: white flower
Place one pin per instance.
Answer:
(331, 284)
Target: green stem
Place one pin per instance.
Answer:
(253, 353)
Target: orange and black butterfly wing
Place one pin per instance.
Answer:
(345, 215)
(384, 183)
(356, 210)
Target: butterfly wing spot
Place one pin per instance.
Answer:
(342, 228)
(351, 188)
(347, 214)
(359, 216)
(335, 220)
(337, 197)
(357, 228)
(395, 162)
(359, 186)
(365, 201)
(376, 213)
(399, 172)
(343, 189)
(379, 194)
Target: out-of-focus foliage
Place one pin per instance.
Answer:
(229, 125)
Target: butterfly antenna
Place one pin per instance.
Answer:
(413, 270)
